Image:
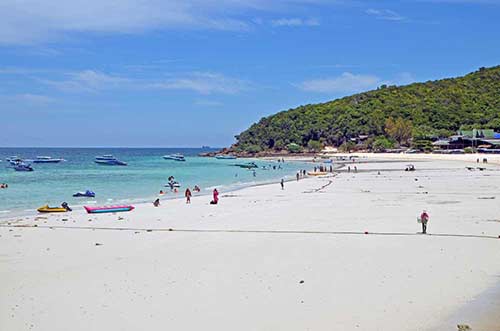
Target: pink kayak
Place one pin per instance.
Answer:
(108, 209)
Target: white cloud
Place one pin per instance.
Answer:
(88, 81)
(204, 83)
(208, 103)
(345, 83)
(200, 82)
(385, 14)
(34, 98)
(295, 22)
(352, 83)
(35, 21)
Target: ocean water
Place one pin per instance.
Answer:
(140, 181)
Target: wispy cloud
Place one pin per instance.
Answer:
(28, 99)
(88, 81)
(352, 83)
(385, 14)
(33, 21)
(204, 83)
(208, 103)
(96, 81)
(345, 83)
(36, 99)
(291, 22)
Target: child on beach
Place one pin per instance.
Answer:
(188, 195)
(156, 203)
(282, 184)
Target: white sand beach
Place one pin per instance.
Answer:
(338, 252)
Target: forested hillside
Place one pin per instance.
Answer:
(423, 110)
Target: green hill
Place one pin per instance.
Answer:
(435, 108)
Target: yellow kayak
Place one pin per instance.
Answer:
(317, 173)
(47, 209)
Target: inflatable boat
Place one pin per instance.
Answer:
(108, 209)
(47, 209)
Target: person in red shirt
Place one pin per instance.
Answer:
(216, 197)
(424, 218)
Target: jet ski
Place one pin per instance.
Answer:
(87, 193)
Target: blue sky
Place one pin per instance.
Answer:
(197, 72)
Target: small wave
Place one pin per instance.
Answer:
(4, 211)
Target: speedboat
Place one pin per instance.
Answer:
(15, 160)
(46, 159)
(225, 157)
(175, 157)
(22, 167)
(87, 193)
(109, 160)
(250, 165)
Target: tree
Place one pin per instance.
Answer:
(293, 148)
(314, 145)
(399, 129)
(381, 144)
(347, 146)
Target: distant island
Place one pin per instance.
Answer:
(411, 116)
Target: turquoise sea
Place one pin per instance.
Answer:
(140, 181)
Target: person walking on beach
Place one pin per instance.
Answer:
(216, 197)
(298, 176)
(424, 218)
(188, 195)
(282, 184)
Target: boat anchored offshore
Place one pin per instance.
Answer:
(225, 157)
(175, 157)
(250, 165)
(22, 167)
(46, 159)
(109, 160)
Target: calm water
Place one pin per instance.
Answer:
(145, 175)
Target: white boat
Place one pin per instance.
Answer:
(109, 160)
(175, 157)
(46, 159)
(225, 157)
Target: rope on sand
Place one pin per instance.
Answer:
(255, 231)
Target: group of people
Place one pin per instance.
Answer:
(188, 194)
(4, 185)
(300, 174)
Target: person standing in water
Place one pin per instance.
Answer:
(424, 218)
(282, 184)
(188, 195)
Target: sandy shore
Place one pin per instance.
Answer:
(267, 259)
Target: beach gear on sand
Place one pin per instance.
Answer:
(108, 209)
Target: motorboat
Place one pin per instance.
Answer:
(46, 159)
(109, 160)
(22, 167)
(225, 157)
(250, 165)
(87, 193)
(175, 157)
